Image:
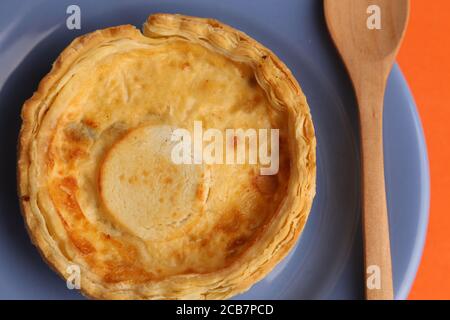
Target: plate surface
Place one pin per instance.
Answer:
(327, 261)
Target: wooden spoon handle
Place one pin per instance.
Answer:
(378, 272)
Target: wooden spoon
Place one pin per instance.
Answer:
(368, 35)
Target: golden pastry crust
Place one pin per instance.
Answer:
(72, 145)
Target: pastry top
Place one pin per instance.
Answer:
(99, 189)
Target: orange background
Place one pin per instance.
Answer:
(425, 61)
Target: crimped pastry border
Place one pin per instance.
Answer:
(283, 91)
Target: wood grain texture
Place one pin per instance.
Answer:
(369, 55)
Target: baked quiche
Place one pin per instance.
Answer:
(97, 182)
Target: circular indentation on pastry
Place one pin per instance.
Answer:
(145, 192)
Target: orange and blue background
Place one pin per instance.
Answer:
(425, 61)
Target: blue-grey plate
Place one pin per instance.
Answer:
(327, 261)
